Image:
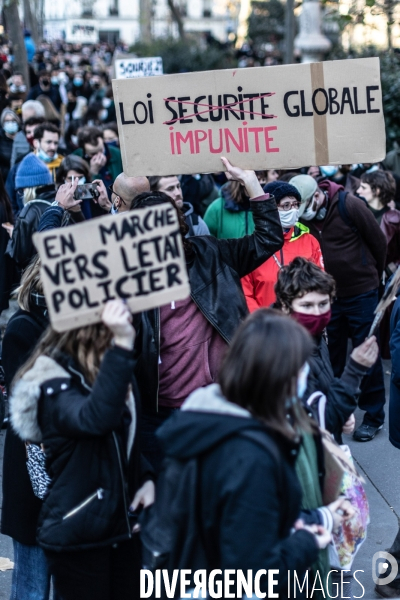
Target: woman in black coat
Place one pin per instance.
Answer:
(8, 271)
(238, 443)
(20, 509)
(305, 292)
(76, 396)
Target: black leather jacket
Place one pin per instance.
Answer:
(214, 274)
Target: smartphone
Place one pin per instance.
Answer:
(86, 191)
(134, 514)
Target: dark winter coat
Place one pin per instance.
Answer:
(394, 402)
(249, 498)
(342, 393)
(195, 223)
(84, 432)
(214, 274)
(20, 510)
(52, 93)
(355, 259)
(8, 271)
(195, 189)
(11, 190)
(6, 145)
(21, 248)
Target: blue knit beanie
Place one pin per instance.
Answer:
(280, 189)
(32, 172)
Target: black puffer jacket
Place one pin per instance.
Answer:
(214, 274)
(21, 247)
(84, 432)
(342, 393)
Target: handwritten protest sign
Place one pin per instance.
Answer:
(137, 256)
(268, 117)
(138, 67)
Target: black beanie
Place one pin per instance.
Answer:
(280, 189)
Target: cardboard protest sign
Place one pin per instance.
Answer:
(267, 117)
(138, 67)
(137, 256)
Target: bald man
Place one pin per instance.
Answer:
(125, 189)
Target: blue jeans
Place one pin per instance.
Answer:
(30, 578)
(352, 318)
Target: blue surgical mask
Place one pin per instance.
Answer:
(10, 127)
(45, 157)
(78, 81)
(114, 144)
(329, 170)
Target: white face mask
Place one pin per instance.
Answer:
(302, 380)
(289, 217)
(309, 213)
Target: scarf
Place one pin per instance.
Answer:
(307, 472)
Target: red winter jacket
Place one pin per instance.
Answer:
(258, 286)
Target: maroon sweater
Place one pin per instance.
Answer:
(191, 351)
(355, 259)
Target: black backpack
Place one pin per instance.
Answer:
(171, 531)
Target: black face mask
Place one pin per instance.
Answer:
(71, 107)
(45, 81)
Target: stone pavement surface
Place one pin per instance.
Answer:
(378, 460)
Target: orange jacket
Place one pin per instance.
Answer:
(258, 286)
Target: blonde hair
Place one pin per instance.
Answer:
(86, 346)
(30, 282)
(29, 194)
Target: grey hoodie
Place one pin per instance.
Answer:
(195, 223)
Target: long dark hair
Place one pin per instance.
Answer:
(5, 201)
(260, 370)
(146, 199)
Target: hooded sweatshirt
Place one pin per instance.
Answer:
(226, 219)
(248, 502)
(353, 255)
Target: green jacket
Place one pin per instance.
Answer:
(227, 224)
(114, 164)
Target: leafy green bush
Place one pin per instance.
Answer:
(181, 56)
(390, 78)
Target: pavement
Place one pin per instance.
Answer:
(377, 460)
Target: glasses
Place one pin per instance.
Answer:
(288, 205)
(110, 187)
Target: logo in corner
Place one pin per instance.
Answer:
(379, 569)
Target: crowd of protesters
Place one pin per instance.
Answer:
(109, 410)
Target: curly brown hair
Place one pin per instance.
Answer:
(300, 277)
